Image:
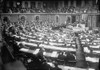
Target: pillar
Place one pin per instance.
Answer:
(36, 4)
(90, 2)
(23, 4)
(62, 3)
(8, 4)
(74, 3)
(42, 5)
(14, 3)
(93, 21)
(59, 6)
(29, 4)
(89, 21)
(82, 3)
(39, 4)
(69, 3)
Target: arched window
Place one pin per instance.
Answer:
(5, 19)
(68, 19)
(22, 17)
(37, 18)
(73, 18)
(57, 18)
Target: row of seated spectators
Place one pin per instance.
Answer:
(15, 28)
(41, 26)
(47, 32)
(70, 9)
(39, 29)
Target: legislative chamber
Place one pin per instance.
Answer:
(49, 35)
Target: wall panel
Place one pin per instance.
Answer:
(92, 18)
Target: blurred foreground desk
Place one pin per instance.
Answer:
(72, 68)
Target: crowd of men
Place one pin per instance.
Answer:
(50, 35)
(53, 8)
(70, 9)
(48, 45)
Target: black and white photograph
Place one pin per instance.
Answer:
(49, 34)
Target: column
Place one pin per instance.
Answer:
(23, 4)
(29, 4)
(93, 21)
(39, 4)
(90, 2)
(82, 3)
(8, 4)
(59, 4)
(74, 3)
(89, 21)
(26, 4)
(69, 3)
(62, 3)
(14, 3)
(36, 4)
(42, 5)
